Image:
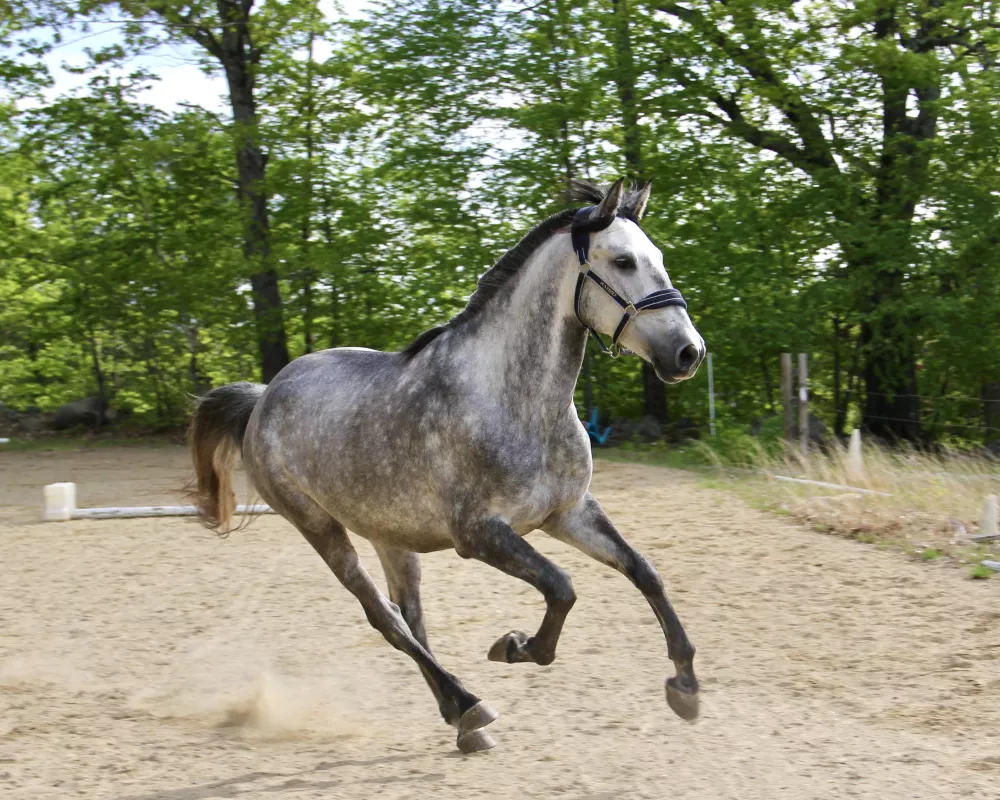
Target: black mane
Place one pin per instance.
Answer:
(594, 193)
(511, 262)
(496, 276)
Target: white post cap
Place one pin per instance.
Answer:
(988, 524)
(60, 501)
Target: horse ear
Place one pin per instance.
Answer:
(636, 205)
(608, 209)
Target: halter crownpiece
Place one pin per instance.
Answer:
(580, 232)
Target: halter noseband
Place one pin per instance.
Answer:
(580, 233)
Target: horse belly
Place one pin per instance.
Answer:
(392, 511)
(421, 533)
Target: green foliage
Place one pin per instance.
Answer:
(431, 134)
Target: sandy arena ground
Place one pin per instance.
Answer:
(148, 660)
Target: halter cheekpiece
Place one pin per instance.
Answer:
(580, 232)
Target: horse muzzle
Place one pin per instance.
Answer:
(675, 362)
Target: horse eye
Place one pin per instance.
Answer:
(625, 262)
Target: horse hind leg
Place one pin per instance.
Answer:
(402, 574)
(329, 538)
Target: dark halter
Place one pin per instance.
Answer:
(580, 233)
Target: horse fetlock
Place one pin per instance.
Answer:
(449, 712)
(543, 658)
(682, 654)
(517, 647)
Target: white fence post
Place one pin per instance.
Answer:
(988, 524)
(60, 501)
(711, 395)
(804, 404)
(855, 466)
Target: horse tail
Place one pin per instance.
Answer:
(214, 438)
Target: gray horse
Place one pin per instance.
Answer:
(467, 439)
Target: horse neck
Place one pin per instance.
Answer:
(529, 345)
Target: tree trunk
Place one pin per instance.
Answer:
(991, 411)
(768, 384)
(838, 423)
(238, 57)
(892, 407)
(232, 46)
(102, 384)
(625, 83)
(308, 273)
(654, 393)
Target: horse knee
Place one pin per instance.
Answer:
(387, 619)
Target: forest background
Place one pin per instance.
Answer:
(826, 179)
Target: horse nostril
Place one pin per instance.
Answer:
(687, 357)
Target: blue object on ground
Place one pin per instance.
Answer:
(594, 429)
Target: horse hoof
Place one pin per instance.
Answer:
(479, 716)
(475, 742)
(684, 702)
(509, 648)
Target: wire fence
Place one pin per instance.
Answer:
(942, 423)
(981, 405)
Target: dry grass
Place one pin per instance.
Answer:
(929, 505)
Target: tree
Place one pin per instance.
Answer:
(850, 95)
(654, 392)
(795, 205)
(226, 31)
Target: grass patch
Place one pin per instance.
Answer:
(929, 506)
(657, 454)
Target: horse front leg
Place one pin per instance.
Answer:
(494, 542)
(588, 528)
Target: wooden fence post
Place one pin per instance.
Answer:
(786, 396)
(804, 403)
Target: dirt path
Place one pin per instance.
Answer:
(145, 659)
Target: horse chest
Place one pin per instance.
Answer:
(563, 477)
